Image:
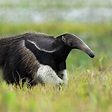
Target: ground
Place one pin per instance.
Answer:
(90, 80)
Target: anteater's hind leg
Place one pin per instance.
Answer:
(20, 64)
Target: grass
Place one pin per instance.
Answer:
(90, 80)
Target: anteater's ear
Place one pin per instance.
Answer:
(63, 39)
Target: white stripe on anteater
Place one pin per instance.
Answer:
(41, 49)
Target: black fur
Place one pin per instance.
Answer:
(20, 64)
(21, 57)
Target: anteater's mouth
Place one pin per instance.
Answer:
(91, 54)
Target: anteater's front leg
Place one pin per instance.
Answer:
(62, 73)
(47, 75)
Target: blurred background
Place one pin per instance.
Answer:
(90, 80)
(91, 20)
(38, 11)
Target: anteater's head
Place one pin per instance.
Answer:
(76, 43)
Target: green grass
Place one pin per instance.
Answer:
(90, 80)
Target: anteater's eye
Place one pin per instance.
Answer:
(70, 43)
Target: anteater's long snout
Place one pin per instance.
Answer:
(91, 54)
(86, 49)
(75, 42)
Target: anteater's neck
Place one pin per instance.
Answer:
(62, 51)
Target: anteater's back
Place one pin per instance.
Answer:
(5, 43)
